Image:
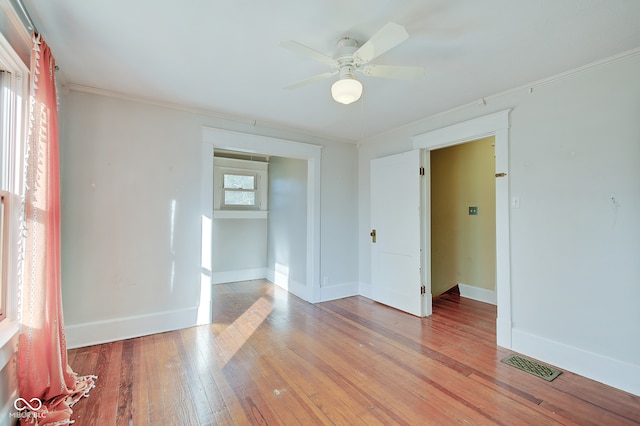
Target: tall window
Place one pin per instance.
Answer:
(3, 286)
(13, 94)
(7, 112)
(5, 121)
(7, 129)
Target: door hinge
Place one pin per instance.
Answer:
(423, 290)
(501, 174)
(421, 171)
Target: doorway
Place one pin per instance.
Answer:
(213, 138)
(497, 125)
(463, 236)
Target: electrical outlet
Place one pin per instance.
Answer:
(473, 210)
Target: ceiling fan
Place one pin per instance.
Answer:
(350, 58)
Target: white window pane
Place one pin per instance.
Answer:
(239, 181)
(240, 198)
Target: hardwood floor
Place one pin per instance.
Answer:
(270, 358)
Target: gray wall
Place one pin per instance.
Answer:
(287, 226)
(239, 244)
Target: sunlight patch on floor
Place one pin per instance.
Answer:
(235, 335)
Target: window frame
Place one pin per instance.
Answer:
(4, 247)
(14, 132)
(240, 167)
(254, 190)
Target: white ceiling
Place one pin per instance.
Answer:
(224, 55)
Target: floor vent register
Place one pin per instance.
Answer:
(532, 367)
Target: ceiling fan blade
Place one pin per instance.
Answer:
(385, 39)
(311, 80)
(392, 71)
(307, 51)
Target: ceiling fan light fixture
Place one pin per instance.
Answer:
(346, 90)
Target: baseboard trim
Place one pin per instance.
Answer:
(239, 275)
(97, 332)
(609, 371)
(364, 289)
(503, 333)
(292, 286)
(477, 293)
(338, 291)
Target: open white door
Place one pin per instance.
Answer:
(396, 232)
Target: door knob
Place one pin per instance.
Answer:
(373, 236)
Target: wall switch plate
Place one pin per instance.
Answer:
(473, 211)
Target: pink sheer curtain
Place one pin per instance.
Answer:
(45, 380)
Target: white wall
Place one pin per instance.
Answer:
(131, 214)
(339, 172)
(287, 227)
(575, 239)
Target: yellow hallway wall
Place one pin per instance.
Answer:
(463, 246)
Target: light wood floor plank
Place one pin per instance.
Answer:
(271, 358)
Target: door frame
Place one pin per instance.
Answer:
(215, 138)
(497, 125)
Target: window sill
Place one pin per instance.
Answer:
(8, 340)
(240, 214)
